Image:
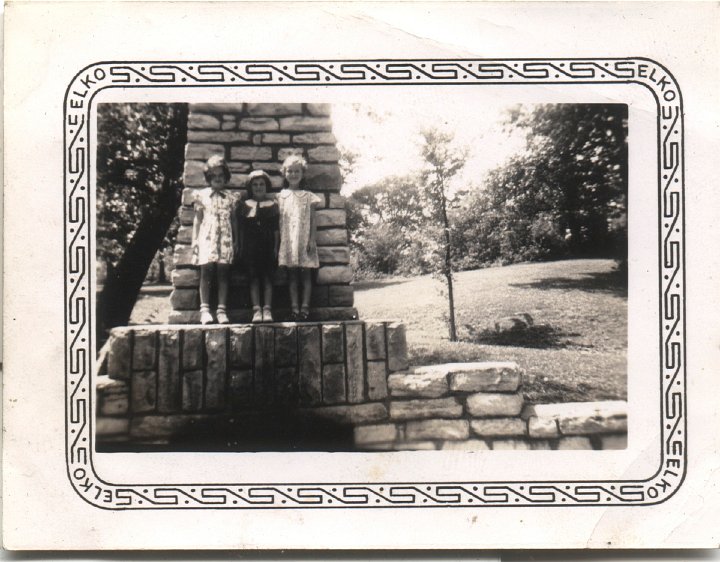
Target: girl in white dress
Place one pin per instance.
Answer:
(298, 248)
(215, 237)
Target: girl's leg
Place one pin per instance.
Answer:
(223, 281)
(293, 286)
(307, 293)
(267, 295)
(255, 297)
(207, 272)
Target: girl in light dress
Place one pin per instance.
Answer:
(215, 237)
(298, 248)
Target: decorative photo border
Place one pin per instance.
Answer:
(79, 260)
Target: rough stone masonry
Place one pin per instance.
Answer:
(259, 136)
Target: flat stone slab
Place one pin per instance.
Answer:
(421, 409)
(499, 427)
(483, 404)
(429, 384)
(582, 418)
(437, 429)
(488, 376)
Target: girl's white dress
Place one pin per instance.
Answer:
(215, 235)
(298, 247)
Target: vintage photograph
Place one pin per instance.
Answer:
(389, 275)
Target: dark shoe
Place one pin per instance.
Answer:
(304, 314)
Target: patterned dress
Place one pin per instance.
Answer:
(297, 241)
(215, 235)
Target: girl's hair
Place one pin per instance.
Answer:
(259, 174)
(290, 161)
(216, 161)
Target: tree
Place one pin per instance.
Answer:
(139, 168)
(442, 162)
(575, 174)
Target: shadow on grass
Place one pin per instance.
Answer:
(376, 284)
(537, 337)
(611, 282)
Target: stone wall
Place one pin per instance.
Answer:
(260, 136)
(164, 383)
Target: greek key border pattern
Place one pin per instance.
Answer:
(78, 262)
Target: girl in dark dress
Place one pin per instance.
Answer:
(261, 240)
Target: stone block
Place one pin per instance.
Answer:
(418, 385)
(188, 197)
(499, 427)
(216, 352)
(284, 153)
(414, 446)
(250, 153)
(310, 365)
(423, 409)
(542, 427)
(457, 430)
(333, 345)
(330, 218)
(510, 445)
(113, 396)
(239, 168)
(352, 413)
(202, 121)
(318, 109)
(592, 425)
(324, 177)
(184, 234)
(198, 151)
(319, 297)
(334, 274)
(193, 349)
(540, 445)
(482, 376)
(375, 341)
(333, 383)
(192, 391)
(605, 409)
(469, 445)
(268, 167)
(274, 109)
(216, 107)
(182, 255)
(169, 385)
(111, 426)
(187, 215)
(119, 355)
(240, 350)
(185, 299)
(240, 386)
(229, 123)
(278, 182)
(355, 363)
(379, 433)
(613, 442)
(144, 391)
(286, 382)
(574, 444)
(264, 364)
(258, 124)
(285, 346)
(186, 278)
(275, 138)
(340, 295)
(314, 138)
(482, 404)
(377, 380)
(323, 153)
(332, 237)
(193, 175)
(336, 201)
(143, 357)
(218, 136)
(333, 314)
(396, 347)
(305, 124)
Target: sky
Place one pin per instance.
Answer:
(384, 133)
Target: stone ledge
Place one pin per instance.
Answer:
(581, 418)
(244, 316)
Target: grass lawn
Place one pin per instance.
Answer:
(576, 351)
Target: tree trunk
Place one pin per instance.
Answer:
(447, 269)
(123, 284)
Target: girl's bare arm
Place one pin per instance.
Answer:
(197, 221)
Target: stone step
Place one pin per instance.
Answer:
(435, 381)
